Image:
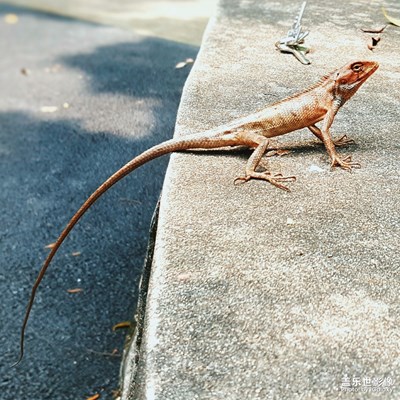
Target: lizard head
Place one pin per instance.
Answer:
(350, 77)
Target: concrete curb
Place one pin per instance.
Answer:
(260, 294)
(134, 340)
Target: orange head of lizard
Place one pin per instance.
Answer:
(349, 78)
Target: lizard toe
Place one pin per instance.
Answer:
(345, 163)
(344, 141)
(267, 176)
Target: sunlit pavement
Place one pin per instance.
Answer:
(182, 21)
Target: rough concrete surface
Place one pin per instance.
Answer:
(257, 293)
(123, 92)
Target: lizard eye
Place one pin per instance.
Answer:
(357, 67)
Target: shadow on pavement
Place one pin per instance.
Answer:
(49, 164)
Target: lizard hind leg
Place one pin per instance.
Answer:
(261, 144)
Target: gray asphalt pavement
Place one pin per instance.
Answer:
(116, 94)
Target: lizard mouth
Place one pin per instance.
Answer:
(370, 68)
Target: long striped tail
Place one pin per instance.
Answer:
(194, 141)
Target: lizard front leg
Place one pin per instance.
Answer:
(324, 135)
(342, 141)
(261, 145)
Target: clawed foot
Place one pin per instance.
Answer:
(266, 176)
(277, 152)
(345, 163)
(344, 141)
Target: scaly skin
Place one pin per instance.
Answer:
(318, 103)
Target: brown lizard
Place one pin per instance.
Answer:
(318, 103)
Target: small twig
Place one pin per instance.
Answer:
(132, 201)
(106, 354)
(371, 30)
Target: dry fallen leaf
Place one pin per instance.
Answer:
(76, 290)
(120, 325)
(11, 19)
(374, 41)
(48, 109)
(184, 63)
(394, 21)
(114, 353)
(94, 397)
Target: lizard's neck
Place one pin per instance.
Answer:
(328, 93)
